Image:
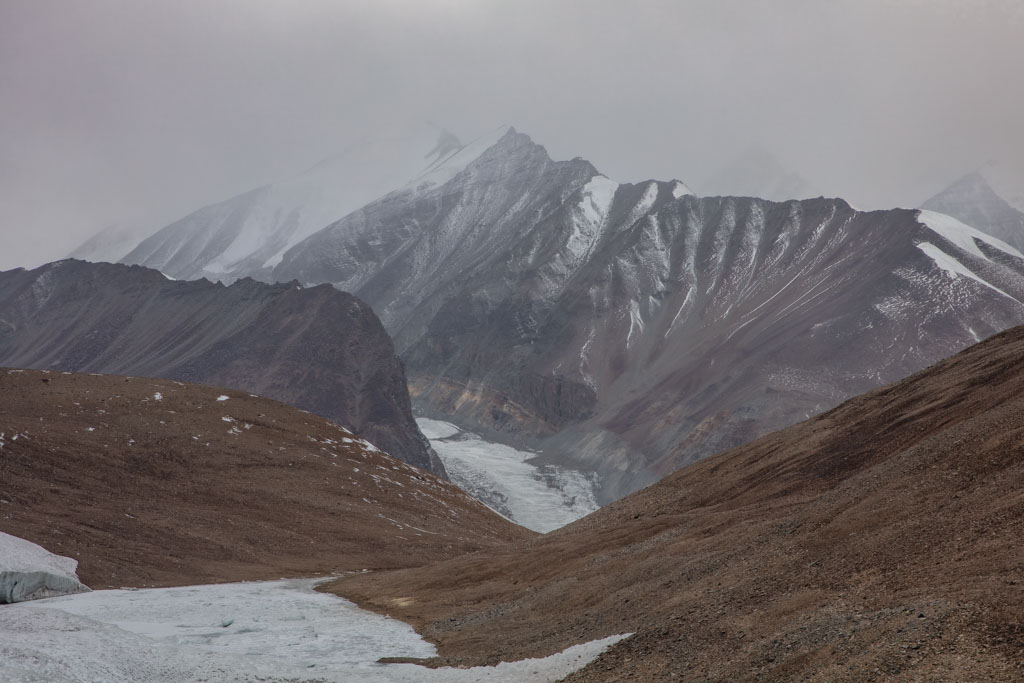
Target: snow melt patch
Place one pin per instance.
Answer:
(589, 216)
(30, 572)
(242, 631)
(680, 190)
(222, 397)
(962, 235)
(955, 268)
(539, 497)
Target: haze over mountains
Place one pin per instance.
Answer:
(629, 329)
(248, 235)
(757, 172)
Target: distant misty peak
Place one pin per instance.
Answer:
(249, 234)
(758, 172)
(989, 198)
(109, 244)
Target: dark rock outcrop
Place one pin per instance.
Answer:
(316, 348)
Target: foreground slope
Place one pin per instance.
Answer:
(630, 329)
(156, 482)
(318, 349)
(884, 538)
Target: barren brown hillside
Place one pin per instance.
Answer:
(156, 482)
(881, 540)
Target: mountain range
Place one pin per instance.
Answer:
(629, 329)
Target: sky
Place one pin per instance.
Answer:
(133, 113)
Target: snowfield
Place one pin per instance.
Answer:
(539, 497)
(242, 632)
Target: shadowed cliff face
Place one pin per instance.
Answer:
(632, 329)
(318, 349)
(881, 539)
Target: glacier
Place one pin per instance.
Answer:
(30, 572)
(509, 481)
(276, 630)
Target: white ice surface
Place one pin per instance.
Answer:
(244, 631)
(539, 497)
(29, 571)
(963, 235)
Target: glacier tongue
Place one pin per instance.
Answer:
(30, 572)
(541, 498)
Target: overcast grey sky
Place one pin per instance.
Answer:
(135, 112)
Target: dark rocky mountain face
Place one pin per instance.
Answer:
(316, 348)
(973, 200)
(631, 329)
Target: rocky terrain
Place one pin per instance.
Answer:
(316, 348)
(149, 482)
(880, 540)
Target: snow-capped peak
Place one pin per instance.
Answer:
(451, 157)
(251, 232)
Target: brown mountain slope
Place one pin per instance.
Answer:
(155, 482)
(883, 539)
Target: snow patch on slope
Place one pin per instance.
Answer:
(955, 268)
(30, 572)
(679, 189)
(539, 497)
(963, 236)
